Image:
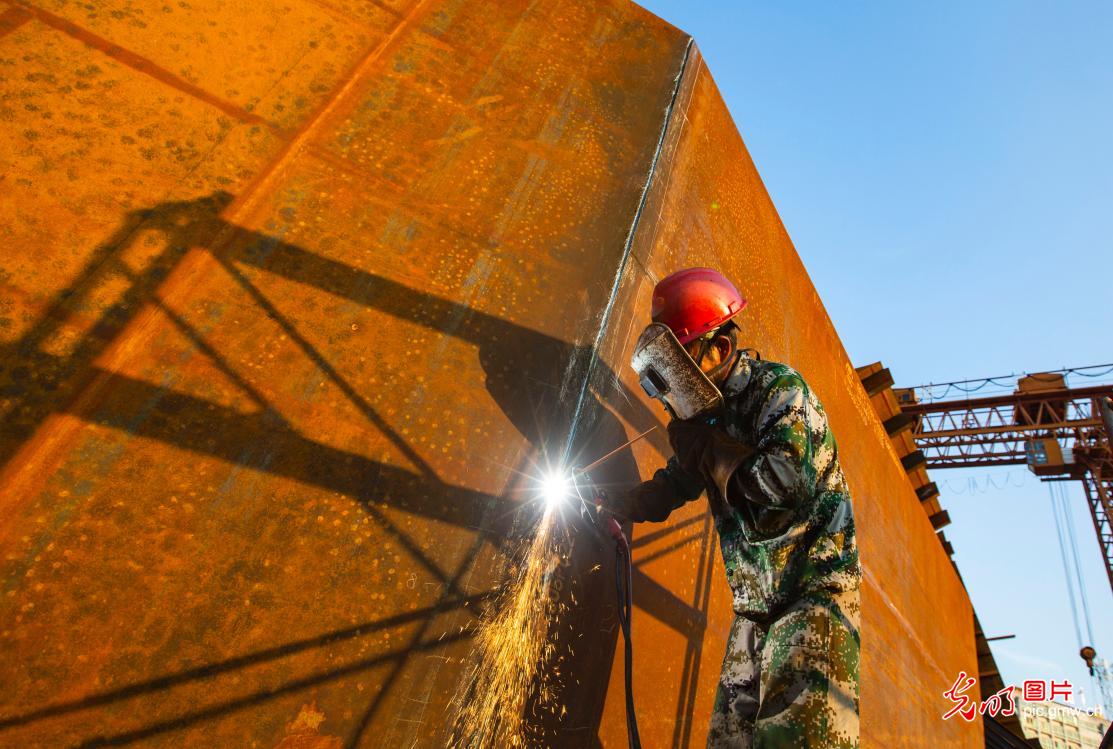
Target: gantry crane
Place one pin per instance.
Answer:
(1060, 433)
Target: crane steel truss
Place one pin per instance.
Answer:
(997, 430)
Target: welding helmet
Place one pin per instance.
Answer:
(695, 301)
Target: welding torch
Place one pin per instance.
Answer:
(590, 511)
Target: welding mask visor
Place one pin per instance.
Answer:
(666, 372)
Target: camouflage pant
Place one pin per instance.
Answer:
(793, 681)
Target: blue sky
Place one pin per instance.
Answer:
(946, 173)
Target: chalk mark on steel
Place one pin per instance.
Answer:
(416, 645)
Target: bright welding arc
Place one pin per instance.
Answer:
(554, 487)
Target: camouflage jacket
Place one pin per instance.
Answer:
(790, 529)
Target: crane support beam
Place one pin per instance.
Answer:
(1099, 496)
(994, 430)
(963, 461)
(990, 401)
(1012, 429)
(1070, 425)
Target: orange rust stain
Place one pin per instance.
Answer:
(304, 731)
(140, 63)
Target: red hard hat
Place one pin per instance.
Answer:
(694, 301)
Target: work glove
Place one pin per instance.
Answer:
(707, 451)
(650, 500)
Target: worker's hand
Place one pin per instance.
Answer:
(708, 451)
(689, 440)
(629, 503)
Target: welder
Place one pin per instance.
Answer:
(769, 466)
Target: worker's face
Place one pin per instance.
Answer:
(713, 357)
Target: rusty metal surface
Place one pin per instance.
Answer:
(290, 294)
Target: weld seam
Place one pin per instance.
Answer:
(626, 251)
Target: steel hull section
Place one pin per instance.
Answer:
(294, 297)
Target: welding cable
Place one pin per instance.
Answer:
(624, 598)
(624, 578)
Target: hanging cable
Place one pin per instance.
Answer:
(1006, 381)
(1066, 571)
(1099, 675)
(972, 484)
(1072, 536)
